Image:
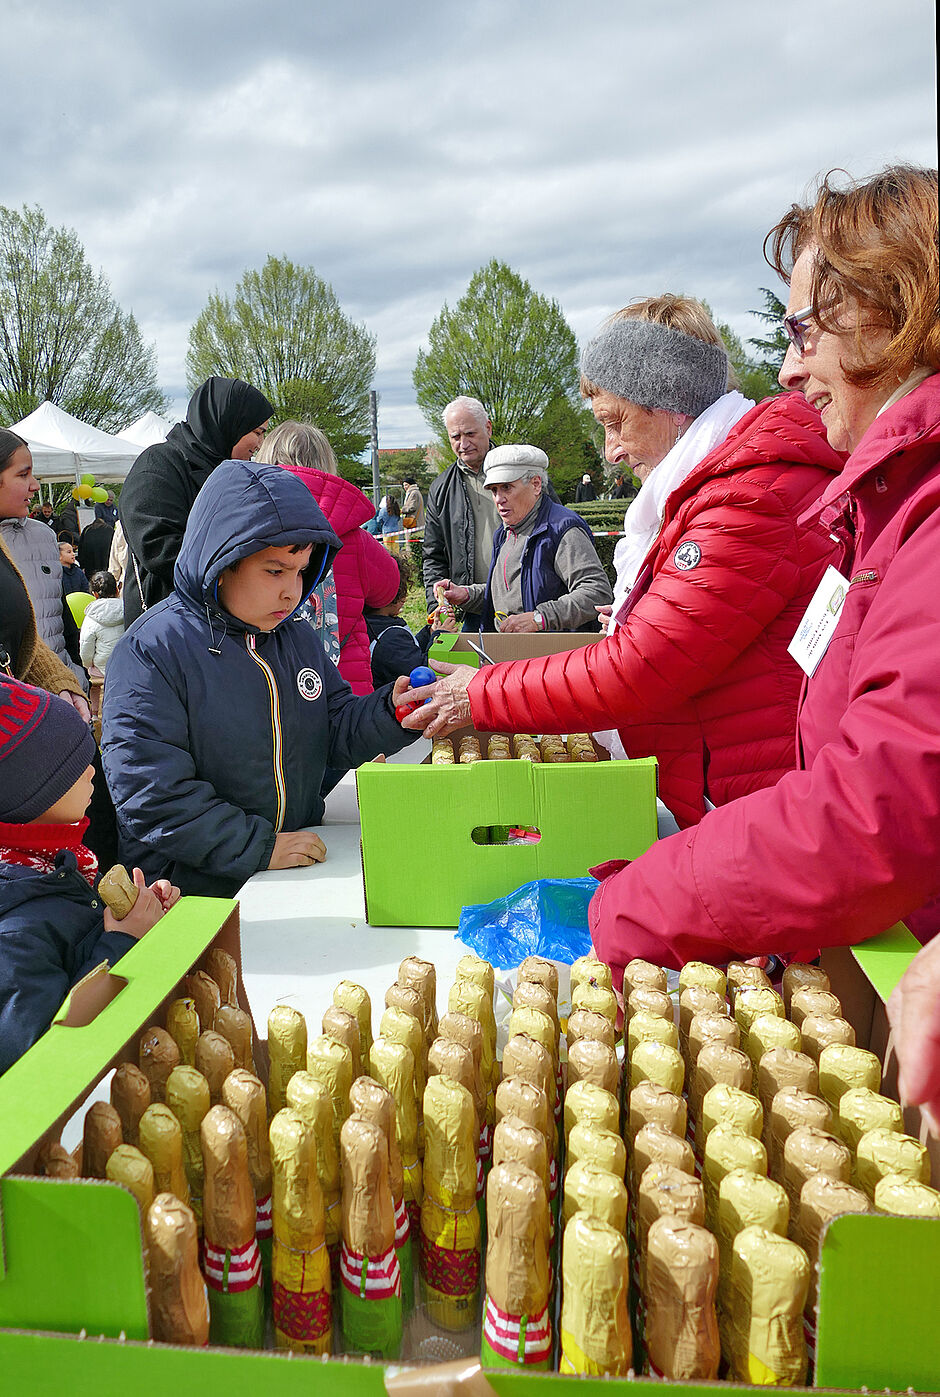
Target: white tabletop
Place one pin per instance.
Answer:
(304, 929)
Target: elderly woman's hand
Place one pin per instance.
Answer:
(449, 708)
(914, 1015)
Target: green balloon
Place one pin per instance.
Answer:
(88, 479)
(99, 495)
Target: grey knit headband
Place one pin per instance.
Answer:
(656, 367)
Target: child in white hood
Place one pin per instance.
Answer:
(103, 625)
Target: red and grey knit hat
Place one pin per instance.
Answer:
(45, 745)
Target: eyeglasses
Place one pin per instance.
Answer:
(798, 324)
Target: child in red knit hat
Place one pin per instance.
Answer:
(54, 928)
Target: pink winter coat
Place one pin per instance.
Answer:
(849, 843)
(698, 675)
(364, 571)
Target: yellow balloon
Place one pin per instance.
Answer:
(75, 494)
(83, 492)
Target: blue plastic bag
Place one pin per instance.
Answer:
(548, 917)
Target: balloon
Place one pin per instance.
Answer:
(78, 603)
(75, 494)
(99, 495)
(83, 492)
(88, 479)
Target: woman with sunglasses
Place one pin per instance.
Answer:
(849, 843)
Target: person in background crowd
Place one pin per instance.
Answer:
(106, 510)
(35, 552)
(391, 524)
(103, 623)
(94, 546)
(394, 651)
(363, 573)
(117, 557)
(461, 519)
(221, 712)
(848, 843)
(545, 574)
(54, 929)
(73, 576)
(585, 490)
(621, 490)
(46, 513)
(165, 479)
(713, 573)
(68, 521)
(412, 508)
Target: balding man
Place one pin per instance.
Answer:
(544, 574)
(460, 517)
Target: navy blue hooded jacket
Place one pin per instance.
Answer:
(216, 735)
(51, 935)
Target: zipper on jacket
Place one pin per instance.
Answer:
(276, 733)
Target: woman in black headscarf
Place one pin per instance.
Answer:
(224, 414)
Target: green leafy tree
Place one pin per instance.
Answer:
(63, 336)
(284, 332)
(565, 434)
(504, 344)
(409, 461)
(773, 348)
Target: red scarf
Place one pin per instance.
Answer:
(35, 846)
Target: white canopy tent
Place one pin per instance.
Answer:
(64, 448)
(147, 430)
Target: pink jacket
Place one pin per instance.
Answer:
(698, 674)
(848, 843)
(364, 571)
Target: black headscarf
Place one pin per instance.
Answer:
(220, 412)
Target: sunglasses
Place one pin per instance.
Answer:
(797, 325)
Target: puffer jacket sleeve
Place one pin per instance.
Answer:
(152, 777)
(378, 572)
(361, 726)
(88, 638)
(831, 855)
(680, 636)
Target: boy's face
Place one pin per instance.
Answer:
(66, 554)
(266, 587)
(70, 808)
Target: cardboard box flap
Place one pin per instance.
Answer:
(60, 1070)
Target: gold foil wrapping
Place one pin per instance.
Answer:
(450, 1219)
(604, 1149)
(843, 1066)
(650, 1102)
(798, 976)
(642, 972)
(215, 1059)
(392, 1064)
(816, 1002)
(790, 1109)
(187, 1095)
(882, 1152)
(650, 1028)
(587, 1104)
(311, 1101)
(906, 1198)
(130, 1097)
(769, 1281)
(808, 1151)
(861, 1110)
(100, 1135)
(728, 1148)
(179, 1311)
(343, 1027)
(331, 1063)
(300, 1261)
(287, 1052)
(597, 1193)
(595, 1326)
(161, 1140)
(656, 1062)
(234, 1024)
(822, 1199)
(229, 1213)
(518, 1271)
(726, 1105)
(586, 1023)
(158, 1055)
(681, 1280)
(590, 1061)
(349, 995)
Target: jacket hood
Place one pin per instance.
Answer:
(242, 509)
(344, 504)
(107, 611)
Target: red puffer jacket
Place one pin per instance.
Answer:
(848, 844)
(698, 674)
(364, 571)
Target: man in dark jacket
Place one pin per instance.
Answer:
(94, 546)
(165, 479)
(460, 517)
(545, 574)
(585, 490)
(221, 714)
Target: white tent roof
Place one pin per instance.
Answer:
(64, 448)
(147, 430)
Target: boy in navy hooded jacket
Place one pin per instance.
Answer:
(221, 712)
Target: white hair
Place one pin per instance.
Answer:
(471, 405)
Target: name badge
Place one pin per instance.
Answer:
(818, 625)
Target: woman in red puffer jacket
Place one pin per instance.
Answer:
(365, 573)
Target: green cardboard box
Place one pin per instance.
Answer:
(72, 1301)
(456, 817)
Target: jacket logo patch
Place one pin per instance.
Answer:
(310, 684)
(686, 556)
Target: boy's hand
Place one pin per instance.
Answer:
(150, 906)
(298, 848)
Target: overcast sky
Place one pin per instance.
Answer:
(605, 150)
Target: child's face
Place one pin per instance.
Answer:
(265, 587)
(70, 808)
(66, 554)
